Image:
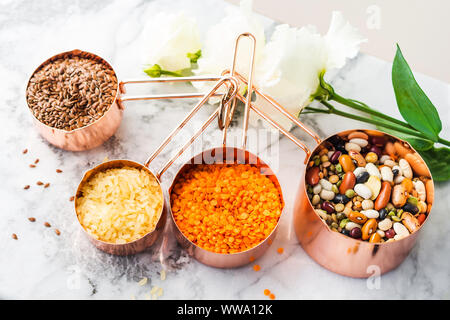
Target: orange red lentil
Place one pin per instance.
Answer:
(256, 267)
(266, 292)
(225, 208)
(280, 250)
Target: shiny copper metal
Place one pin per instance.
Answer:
(340, 253)
(225, 155)
(102, 129)
(130, 247)
(147, 240)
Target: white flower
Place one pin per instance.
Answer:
(293, 60)
(168, 39)
(218, 47)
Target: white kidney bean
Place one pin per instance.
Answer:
(363, 191)
(360, 142)
(327, 185)
(389, 163)
(351, 225)
(420, 188)
(381, 233)
(386, 174)
(406, 168)
(359, 170)
(400, 230)
(317, 188)
(398, 237)
(321, 213)
(385, 225)
(352, 147)
(373, 170)
(367, 204)
(384, 158)
(398, 179)
(326, 194)
(371, 214)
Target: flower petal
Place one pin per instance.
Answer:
(168, 39)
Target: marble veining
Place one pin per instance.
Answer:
(43, 265)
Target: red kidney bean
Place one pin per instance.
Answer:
(312, 176)
(328, 207)
(383, 196)
(376, 150)
(377, 140)
(335, 157)
(348, 182)
(355, 233)
(389, 233)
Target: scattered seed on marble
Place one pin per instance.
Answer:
(58, 170)
(32, 166)
(25, 151)
(47, 185)
(57, 232)
(14, 236)
(40, 183)
(27, 187)
(143, 281)
(32, 219)
(48, 225)
(36, 161)
(71, 198)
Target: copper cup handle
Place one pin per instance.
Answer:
(272, 122)
(232, 85)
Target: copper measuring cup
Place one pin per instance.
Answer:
(332, 250)
(342, 254)
(97, 132)
(148, 239)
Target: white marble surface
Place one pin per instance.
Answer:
(42, 265)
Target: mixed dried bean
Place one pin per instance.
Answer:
(369, 187)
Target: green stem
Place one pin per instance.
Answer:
(365, 108)
(333, 110)
(170, 73)
(443, 141)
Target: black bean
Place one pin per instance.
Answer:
(409, 207)
(362, 177)
(341, 198)
(383, 213)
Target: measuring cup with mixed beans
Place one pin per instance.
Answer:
(369, 187)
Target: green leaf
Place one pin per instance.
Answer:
(413, 104)
(437, 160)
(194, 56)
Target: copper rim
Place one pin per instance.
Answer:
(221, 260)
(137, 245)
(316, 242)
